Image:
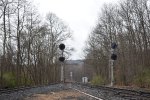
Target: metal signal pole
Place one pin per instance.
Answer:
(62, 75)
(62, 59)
(113, 58)
(112, 72)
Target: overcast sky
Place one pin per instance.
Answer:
(80, 16)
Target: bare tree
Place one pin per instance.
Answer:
(127, 24)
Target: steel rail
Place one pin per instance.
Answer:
(126, 93)
(87, 94)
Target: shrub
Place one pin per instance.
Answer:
(97, 80)
(143, 79)
(9, 79)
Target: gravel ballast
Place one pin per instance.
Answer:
(103, 94)
(20, 95)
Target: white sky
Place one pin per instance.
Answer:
(80, 16)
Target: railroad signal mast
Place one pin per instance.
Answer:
(62, 59)
(113, 58)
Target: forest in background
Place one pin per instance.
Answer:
(128, 24)
(29, 45)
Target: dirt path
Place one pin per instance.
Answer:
(60, 95)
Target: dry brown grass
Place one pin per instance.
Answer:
(61, 95)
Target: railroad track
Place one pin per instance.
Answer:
(123, 93)
(87, 94)
(126, 93)
(94, 92)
